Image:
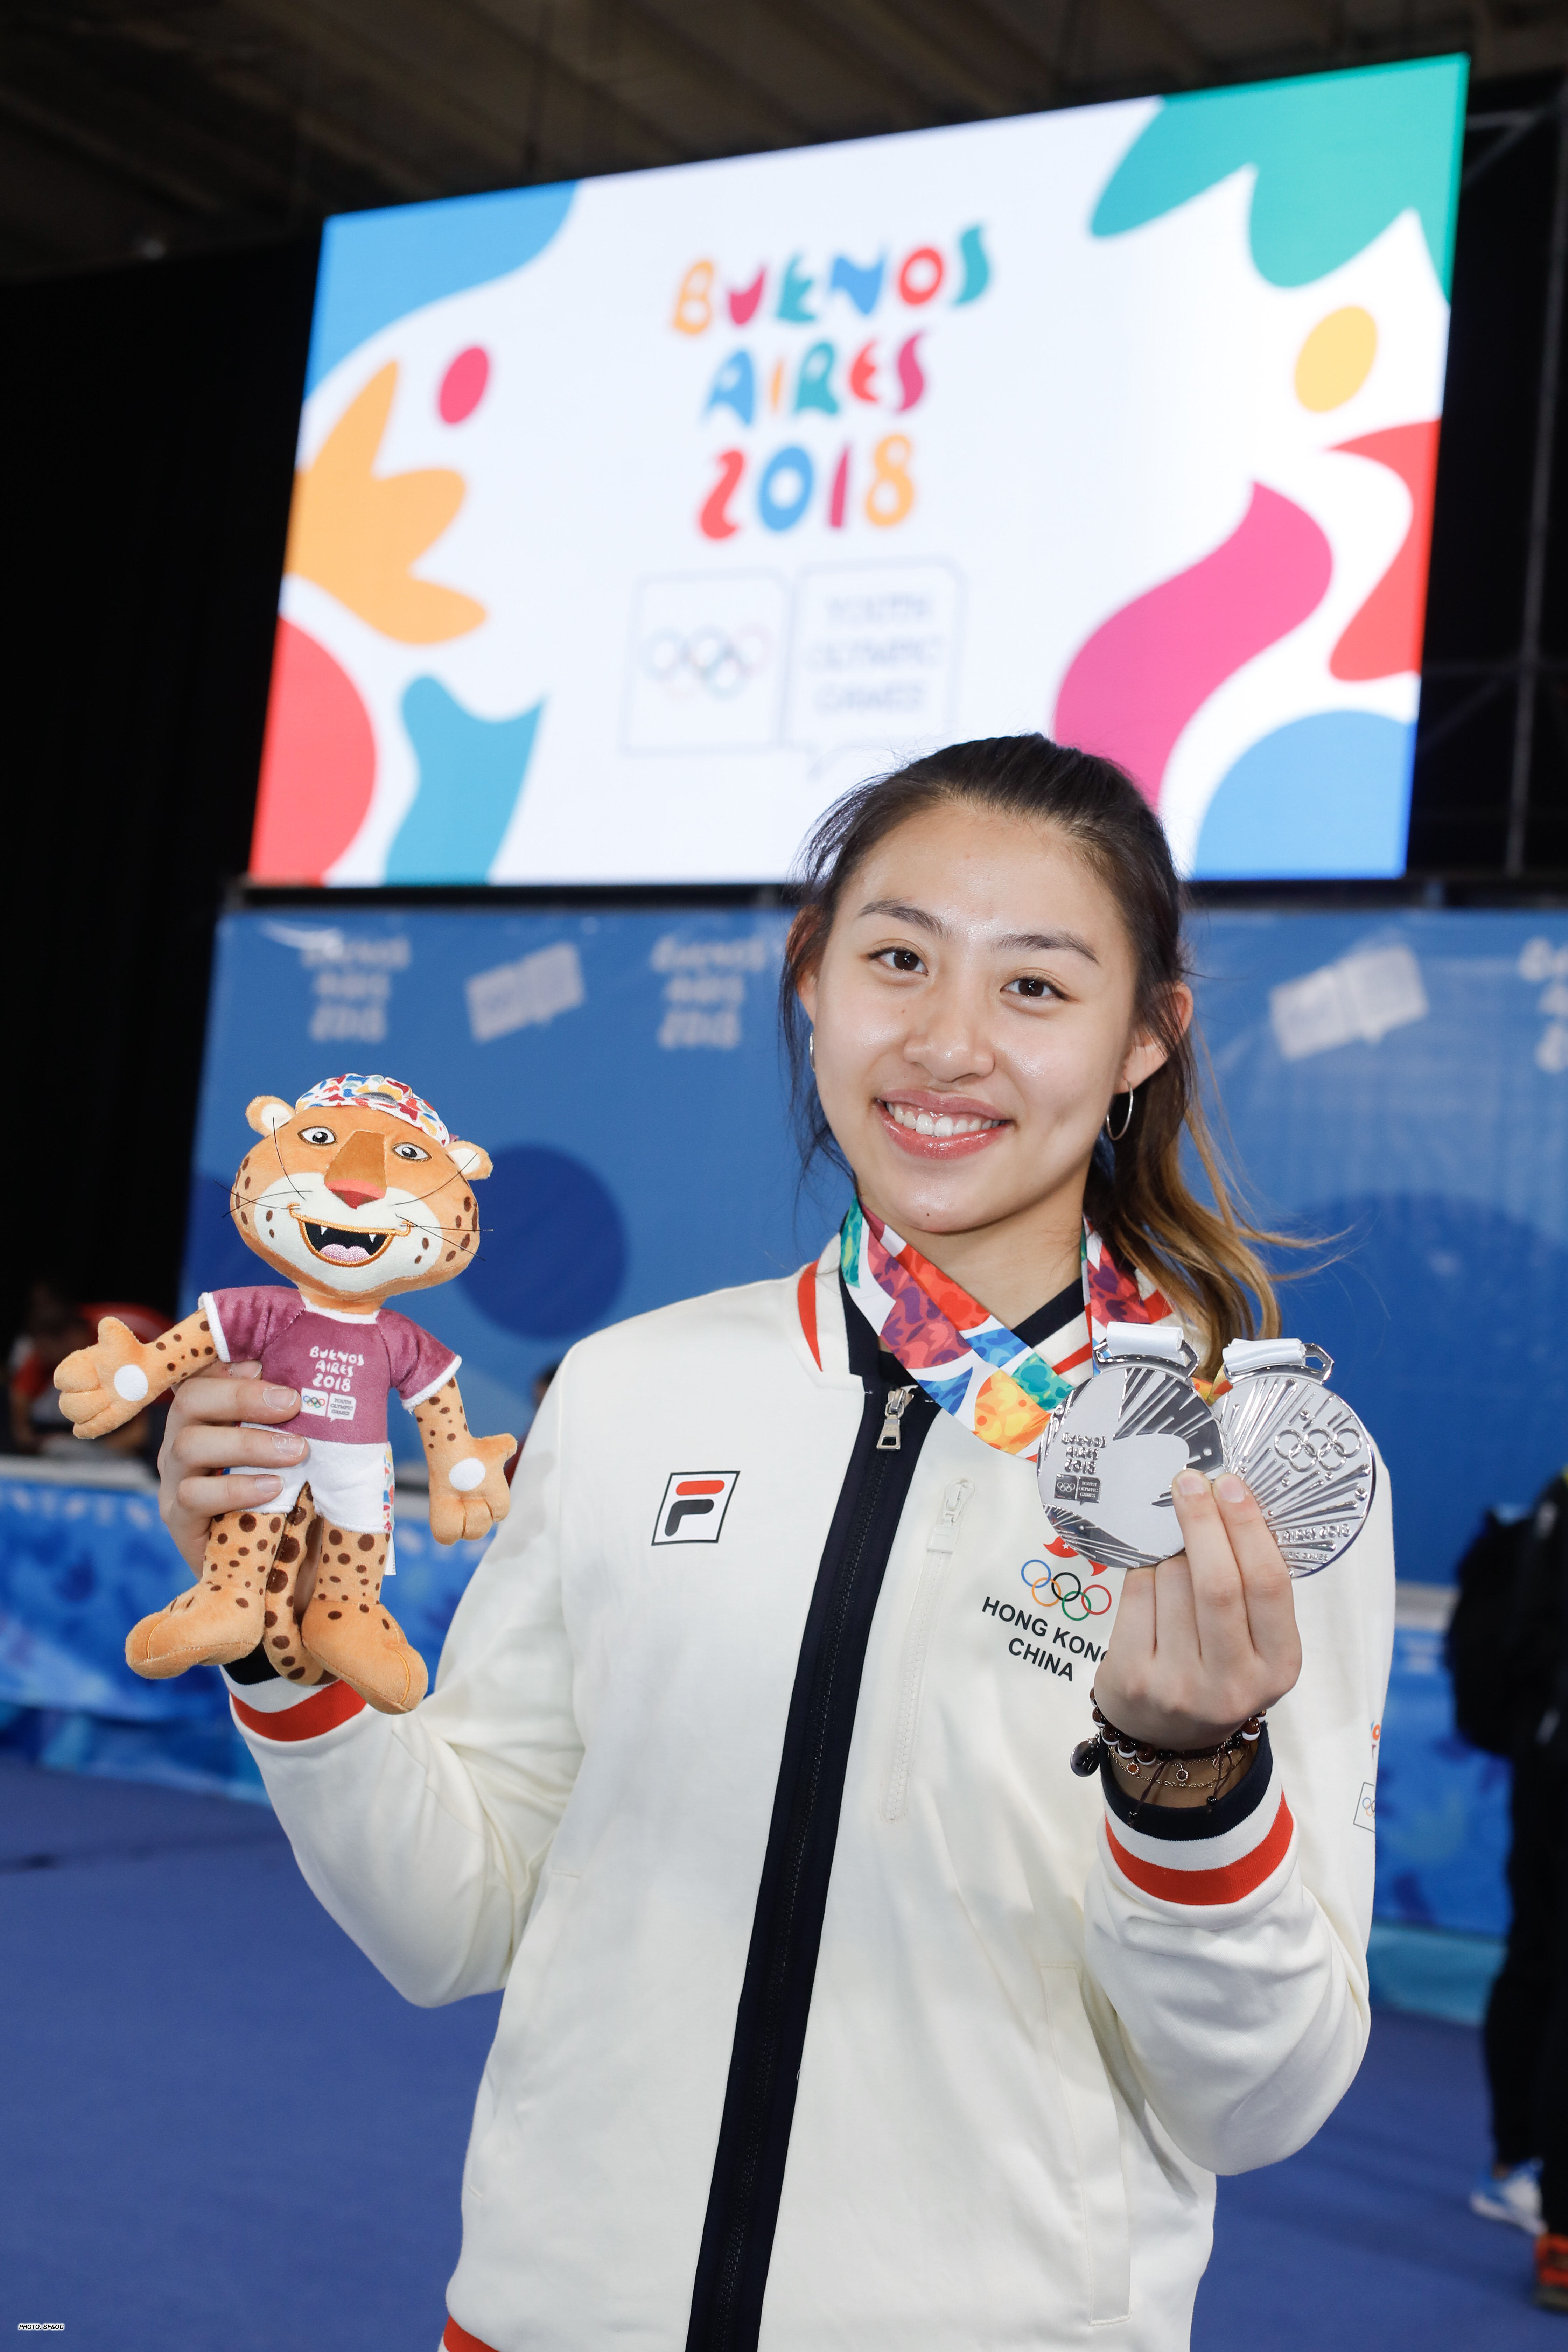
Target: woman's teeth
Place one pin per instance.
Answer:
(924, 1123)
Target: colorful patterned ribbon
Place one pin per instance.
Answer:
(962, 1354)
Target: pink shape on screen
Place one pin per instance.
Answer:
(744, 300)
(463, 385)
(1133, 685)
(317, 765)
(1385, 638)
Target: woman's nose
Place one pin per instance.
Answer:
(950, 1042)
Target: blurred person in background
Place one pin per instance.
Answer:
(1509, 1659)
(54, 1326)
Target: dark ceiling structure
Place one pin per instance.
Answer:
(135, 128)
(157, 401)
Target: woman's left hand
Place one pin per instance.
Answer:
(1209, 1637)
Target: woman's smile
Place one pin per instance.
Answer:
(937, 1126)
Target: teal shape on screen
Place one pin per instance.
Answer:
(472, 775)
(377, 266)
(1338, 156)
(1326, 796)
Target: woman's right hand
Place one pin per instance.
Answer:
(204, 1437)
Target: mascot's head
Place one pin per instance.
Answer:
(357, 1191)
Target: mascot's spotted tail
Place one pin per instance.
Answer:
(355, 1192)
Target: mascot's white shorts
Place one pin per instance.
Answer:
(351, 1484)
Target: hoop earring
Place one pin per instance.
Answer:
(811, 1049)
(1116, 1133)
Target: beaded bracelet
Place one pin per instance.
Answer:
(1136, 1756)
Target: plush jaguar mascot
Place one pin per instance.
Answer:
(356, 1191)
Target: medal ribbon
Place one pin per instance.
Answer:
(963, 1355)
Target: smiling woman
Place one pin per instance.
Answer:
(837, 2009)
(991, 953)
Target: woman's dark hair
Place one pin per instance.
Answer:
(1204, 1259)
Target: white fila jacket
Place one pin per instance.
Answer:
(1029, 2035)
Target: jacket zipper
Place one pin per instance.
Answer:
(714, 2330)
(893, 1412)
(941, 1545)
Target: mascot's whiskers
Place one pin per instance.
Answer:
(332, 1201)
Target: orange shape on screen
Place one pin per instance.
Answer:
(356, 532)
(1385, 638)
(317, 765)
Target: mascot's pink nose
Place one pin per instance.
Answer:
(356, 1195)
(357, 1171)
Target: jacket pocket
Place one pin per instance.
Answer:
(536, 1947)
(941, 1545)
(1091, 2112)
(517, 2036)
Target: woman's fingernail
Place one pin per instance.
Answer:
(1190, 1482)
(288, 1449)
(282, 1397)
(267, 1488)
(1230, 1488)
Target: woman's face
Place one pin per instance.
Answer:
(972, 1012)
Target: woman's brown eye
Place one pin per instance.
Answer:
(905, 959)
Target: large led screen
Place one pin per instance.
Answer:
(635, 519)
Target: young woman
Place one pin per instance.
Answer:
(838, 2011)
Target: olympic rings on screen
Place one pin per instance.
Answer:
(707, 661)
(1075, 1600)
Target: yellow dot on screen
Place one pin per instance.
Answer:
(1336, 358)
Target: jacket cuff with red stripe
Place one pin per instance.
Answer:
(1201, 1856)
(278, 1711)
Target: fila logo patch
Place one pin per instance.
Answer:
(694, 1505)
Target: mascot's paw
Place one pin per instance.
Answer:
(468, 1493)
(203, 1628)
(103, 1387)
(366, 1648)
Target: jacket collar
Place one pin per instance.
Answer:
(820, 1316)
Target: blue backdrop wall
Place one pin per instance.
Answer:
(1401, 1084)
(620, 1070)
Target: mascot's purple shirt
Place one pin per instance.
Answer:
(343, 1365)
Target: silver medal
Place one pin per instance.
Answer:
(1302, 1450)
(1112, 1448)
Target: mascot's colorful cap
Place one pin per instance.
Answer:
(389, 1095)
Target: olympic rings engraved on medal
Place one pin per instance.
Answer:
(1306, 1457)
(1058, 1579)
(1325, 1449)
(706, 661)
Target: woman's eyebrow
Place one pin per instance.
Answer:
(1011, 943)
(900, 913)
(1046, 943)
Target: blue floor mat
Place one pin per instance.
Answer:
(223, 2129)
(1365, 2237)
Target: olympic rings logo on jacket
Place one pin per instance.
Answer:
(1068, 1590)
